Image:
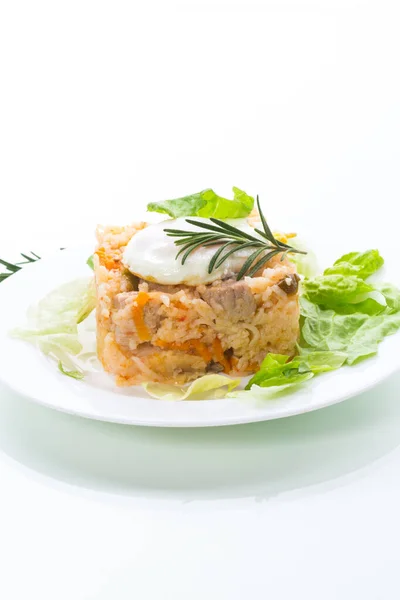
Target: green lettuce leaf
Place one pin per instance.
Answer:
(343, 319)
(53, 323)
(342, 312)
(357, 335)
(90, 262)
(336, 290)
(206, 204)
(74, 373)
(343, 289)
(289, 378)
(392, 296)
(278, 370)
(320, 361)
(66, 306)
(358, 264)
(369, 306)
(208, 387)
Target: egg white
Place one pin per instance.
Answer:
(151, 255)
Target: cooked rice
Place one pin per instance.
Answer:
(175, 334)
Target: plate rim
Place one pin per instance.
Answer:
(229, 421)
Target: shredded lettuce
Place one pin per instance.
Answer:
(206, 204)
(53, 323)
(208, 387)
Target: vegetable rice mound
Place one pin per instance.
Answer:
(177, 333)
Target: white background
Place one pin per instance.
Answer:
(105, 106)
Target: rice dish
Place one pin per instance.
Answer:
(151, 331)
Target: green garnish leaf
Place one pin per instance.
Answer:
(53, 323)
(320, 361)
(206, 204)
(13, 268)
(90, 262)
(392, 296)
(9, 266)
(338, 317)
(61, 310)
(336, 290)
(278, 370)
(357, 335)
(344, 318)
(75, 374)
(369, 306)
(359, 264)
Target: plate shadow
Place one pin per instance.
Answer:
(259, 460)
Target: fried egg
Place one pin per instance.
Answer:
(151, 255)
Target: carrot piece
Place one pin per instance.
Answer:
(220, 356)
(106, 260)
(138, 317)
(201, 350)
(194, 345)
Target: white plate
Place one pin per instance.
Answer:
(27, 371)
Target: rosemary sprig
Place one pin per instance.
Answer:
(229, 240)
(13, 268)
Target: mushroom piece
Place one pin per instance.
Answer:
(290, 284)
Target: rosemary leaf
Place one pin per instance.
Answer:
(206, 237)
(262, 262)
(27, 258)
(10, 266)
(219, 230)
(247, 264)
(192, 245)
(268, 232)
(218, 254)
(190, 250)
(233, 250)
(14, 268)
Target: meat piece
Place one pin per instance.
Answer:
(123, 303)
(233, 298)
(152, 286)
(151, 316)
(121, 300)
(290, 284)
